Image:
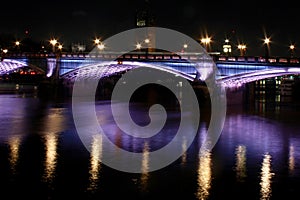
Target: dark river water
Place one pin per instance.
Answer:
(42, 157)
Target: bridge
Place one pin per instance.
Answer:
(232, 71)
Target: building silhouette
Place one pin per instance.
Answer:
(144, 15)
(145, 18)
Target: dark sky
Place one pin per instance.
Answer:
(81, 21)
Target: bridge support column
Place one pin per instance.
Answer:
(240, 96)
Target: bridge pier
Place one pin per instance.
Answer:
(241, 96)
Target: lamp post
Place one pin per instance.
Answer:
(97, 41)
(292, 50)
(101, 46)
(4, 51)
(185, 46)
(266, 43)
(138, 46)
(17, 44)
(58, 55)
(147, 41)
(206, 42)
(242, 48)
(53, 42)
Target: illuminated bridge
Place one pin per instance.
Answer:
(231, 71)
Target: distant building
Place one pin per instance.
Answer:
(144, 16)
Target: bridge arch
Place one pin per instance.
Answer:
(238, 80)
(8, 66)
(105, 69)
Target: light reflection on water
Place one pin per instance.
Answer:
(204, 175)
(145, 168)
(51, 157)
(53, 124)
(240, 167)
(291, 159)
(266, 177)
(95, 162)
(184, 149)
(238, 153)
(14, 144)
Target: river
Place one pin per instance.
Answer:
(42, 157)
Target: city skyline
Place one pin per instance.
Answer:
(73, 22)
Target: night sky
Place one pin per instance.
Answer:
(82, 21)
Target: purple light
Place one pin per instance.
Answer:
(8, 65)
(238, 80)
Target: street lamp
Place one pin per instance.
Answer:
(60, 47)
(101, 46)
(242, 48)
(292, 50)
(266, 43)
(4, 51)
(96, 41)
(17, 44)
(147, 41)
(53, 42)
(138, 46)
(206, 41)
(185, 46)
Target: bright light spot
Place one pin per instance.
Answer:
(60, 47)
(147, 40)
(267, 40)
(97, 41)
(138, 46)
(53, 42)
(206, 40)
(242, 46)
(101, 46)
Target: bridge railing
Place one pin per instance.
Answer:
(147, 56)
(257, 59)
(158, 56)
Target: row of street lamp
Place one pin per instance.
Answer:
(206, 41)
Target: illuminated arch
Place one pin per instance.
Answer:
(8, 66)
(104, 69)
(240, 79)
